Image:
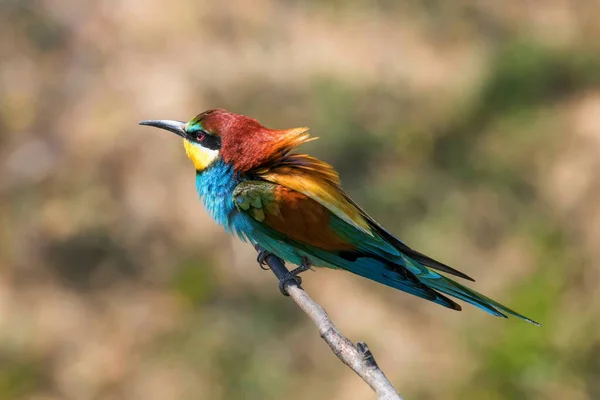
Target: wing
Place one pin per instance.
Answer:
(320, 182)
(397, 243)
(290, 217)
(292, 214)
(295, 219)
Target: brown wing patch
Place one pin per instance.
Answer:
(304, 220)
(319, 181)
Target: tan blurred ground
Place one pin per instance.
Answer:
(471, 129)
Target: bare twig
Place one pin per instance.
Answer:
(358, 357)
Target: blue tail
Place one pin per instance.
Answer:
(455, 289)
(413, 277)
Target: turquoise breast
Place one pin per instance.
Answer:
(215, 187)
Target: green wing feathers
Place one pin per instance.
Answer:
(256, 198)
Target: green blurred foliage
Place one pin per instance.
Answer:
(20, 376)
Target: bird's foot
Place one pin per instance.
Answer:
(305, 266)
(261, 259)
(288, 277)
(293, 275)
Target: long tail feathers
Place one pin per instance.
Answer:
(428, 285)
(413, 286)
(455, 289)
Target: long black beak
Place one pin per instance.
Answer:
(177, 127)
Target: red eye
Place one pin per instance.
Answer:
(200, 136)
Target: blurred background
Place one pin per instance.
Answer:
(469, 128)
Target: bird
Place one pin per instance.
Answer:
(255, 184)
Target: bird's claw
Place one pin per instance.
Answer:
(293, 275)
(261, 259)
(305, 266)
(289, 277)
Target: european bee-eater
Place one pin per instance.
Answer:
(293, 206)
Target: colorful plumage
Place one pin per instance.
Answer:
(293, 206)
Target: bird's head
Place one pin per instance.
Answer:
(239, 140)
(202, 141)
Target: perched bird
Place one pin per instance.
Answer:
(293, 206)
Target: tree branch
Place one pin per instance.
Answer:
(358, 357)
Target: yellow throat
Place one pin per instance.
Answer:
(200, 156)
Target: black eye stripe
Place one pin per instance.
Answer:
(205, 139)
(210, 142)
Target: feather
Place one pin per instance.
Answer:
(415, 255)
